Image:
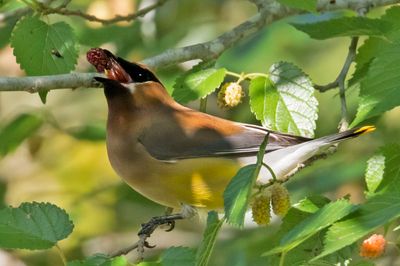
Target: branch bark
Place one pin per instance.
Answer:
(269, 11)
(62, 10)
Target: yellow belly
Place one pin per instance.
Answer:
(198, 182)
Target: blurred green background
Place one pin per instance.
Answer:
(73, 171)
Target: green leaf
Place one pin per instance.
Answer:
(6, 29)
(237, 193)
(345, 26)
(16, 131)
(209, 238)
(100, 260)
(391, 176)
(321, 219)
(33, 226)
(36, 44)
(376, 212)
(92, 132)
(313, 224)
(43, 96)
(197, 83)
(286, 102)
(307, 5)
(374, 172)
(178, 256)
(379, 90)
(298, 213)
(373, 45)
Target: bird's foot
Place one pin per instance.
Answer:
(148, 228)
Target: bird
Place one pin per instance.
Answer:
(175, 155)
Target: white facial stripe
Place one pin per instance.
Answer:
(130, 86)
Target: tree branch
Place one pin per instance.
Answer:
(269, 11)
(38, 83)
(62, 10)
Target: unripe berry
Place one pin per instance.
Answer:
(373, 247)
(260, 209)
(280, 199)
(230, 95)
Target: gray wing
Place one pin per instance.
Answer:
(170, 144)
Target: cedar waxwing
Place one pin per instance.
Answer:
(174, 155)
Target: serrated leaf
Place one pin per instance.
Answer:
(298, 213)
(307, 5)
(321, 219)
(100, 260)
(379, 91)
(33, 226)
(209, 237)
(373, 45)
(197, 83)
(312, 224)
(237, 193)
(178, 256)
(391, 176)
(376, 212)
(374, 172)
(16, 131)
(36, 45)
(92, 132)
(286, 102)
(345, 26)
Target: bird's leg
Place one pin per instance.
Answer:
(168, 219)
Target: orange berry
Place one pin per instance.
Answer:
(373, 247)
(280, 199)
(260, 210)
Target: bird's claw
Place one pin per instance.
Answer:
(171, 225)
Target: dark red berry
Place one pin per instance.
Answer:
(98, 58)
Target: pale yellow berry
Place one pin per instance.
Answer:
(230, 95)
(260, 209)
(280, 199)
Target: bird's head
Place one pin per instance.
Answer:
(126, 79)
(118, 69)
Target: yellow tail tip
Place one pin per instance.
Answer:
(365, 129)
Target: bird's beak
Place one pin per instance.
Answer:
(105, 62)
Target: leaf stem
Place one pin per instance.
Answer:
(282, 259)
(243, 76)
(61, 253)
(203, 104)
(271, 171)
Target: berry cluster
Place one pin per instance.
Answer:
(277, 197)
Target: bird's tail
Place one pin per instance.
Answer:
(351, 133)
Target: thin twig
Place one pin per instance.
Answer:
(62, 10)
(126, 250)
(344, 124)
